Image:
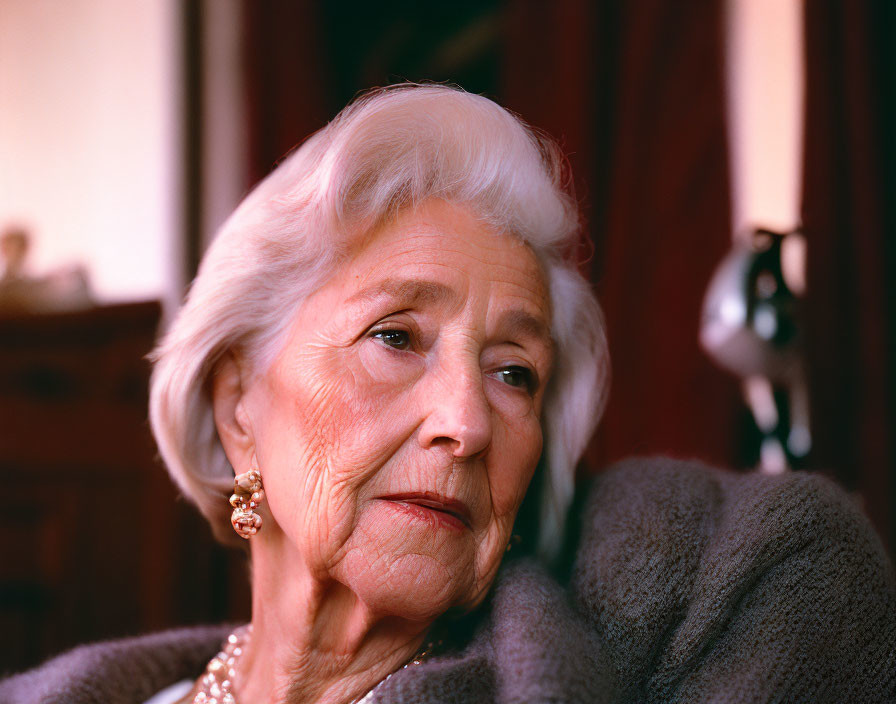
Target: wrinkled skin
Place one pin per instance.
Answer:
(387, 386)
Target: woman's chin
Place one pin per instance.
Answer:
(416, 587)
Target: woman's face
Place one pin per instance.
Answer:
(400, 426)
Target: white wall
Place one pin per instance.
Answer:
(765, 76)
(89, 142)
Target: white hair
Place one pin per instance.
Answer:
(390, 149)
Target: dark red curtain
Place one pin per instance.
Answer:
(286, 78)
(849, 215)
(660, 221)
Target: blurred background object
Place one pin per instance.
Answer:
(63, 289)
(128, 131)
(752, 326)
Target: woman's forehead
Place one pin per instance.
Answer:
(434, 252)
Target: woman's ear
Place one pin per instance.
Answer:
(228, 388)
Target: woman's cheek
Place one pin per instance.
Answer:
(519, 448)
(367, 416)
(337, 398)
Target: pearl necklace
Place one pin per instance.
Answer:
(216, 683)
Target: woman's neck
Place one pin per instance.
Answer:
(313, 640)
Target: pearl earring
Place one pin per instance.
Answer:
(248, 494)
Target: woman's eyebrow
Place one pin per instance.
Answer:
(409, 291)
(523, 324)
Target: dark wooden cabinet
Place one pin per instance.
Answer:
(95, 542)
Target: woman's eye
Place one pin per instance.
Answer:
(396, 339)
(519, 377)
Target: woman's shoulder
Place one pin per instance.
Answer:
(694, 573)
(671, 504)
(682, 525)
(124, 670)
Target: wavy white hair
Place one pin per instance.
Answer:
(390, 149)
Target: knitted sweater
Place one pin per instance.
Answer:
(689, 585)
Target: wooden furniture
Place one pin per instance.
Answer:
(95, 543)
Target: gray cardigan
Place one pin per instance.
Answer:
(689, 585)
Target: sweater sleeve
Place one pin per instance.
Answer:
(713, 587)
(125, 671)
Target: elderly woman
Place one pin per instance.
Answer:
(385, 344)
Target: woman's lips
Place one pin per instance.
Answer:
(449, 512)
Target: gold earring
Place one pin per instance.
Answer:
(248, 494)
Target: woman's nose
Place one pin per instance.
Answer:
(459, 416)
